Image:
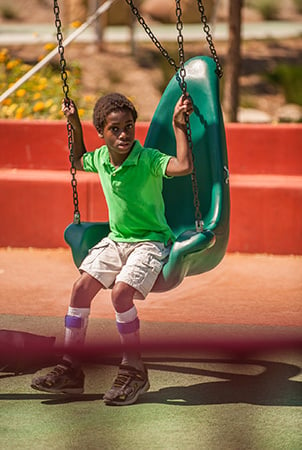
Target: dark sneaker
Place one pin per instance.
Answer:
(61, 380)
(127, 386)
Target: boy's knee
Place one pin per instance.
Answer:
(80, 286)
(84, 290)
(122, 296)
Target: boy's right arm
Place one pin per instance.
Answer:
(71, 113)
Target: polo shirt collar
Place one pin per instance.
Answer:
(133, 156)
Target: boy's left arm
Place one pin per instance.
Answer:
(182, 164)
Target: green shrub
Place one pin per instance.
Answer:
(269, 9)
(298, 5)
(288, 78)
(8, 12)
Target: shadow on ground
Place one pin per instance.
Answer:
(271, 385)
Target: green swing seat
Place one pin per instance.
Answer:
(193, 252)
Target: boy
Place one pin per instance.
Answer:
(130, 259)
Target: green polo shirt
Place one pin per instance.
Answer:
(133, 193)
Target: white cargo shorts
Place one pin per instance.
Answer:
(137, 264)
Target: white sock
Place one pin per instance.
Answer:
(128, 327)
(76, 322)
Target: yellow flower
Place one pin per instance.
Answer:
(88, 98)
(39, 106)
(48, 103)
(20, 92)
(10, 110)
(7, 101)
(12, 64)
(25, 67)
(3, 54)
(53, 109)
(76, 24)
(49, 46)
(42, 84)
(4, 111)
(81, 112)
(36, 95)
(19, 112)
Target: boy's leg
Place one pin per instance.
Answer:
(132, 379)
(127, 322)
(136, 278)
(128, 328)
(76, 320)
(67, 377)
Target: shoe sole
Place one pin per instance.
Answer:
(58, 391)
(142, 390)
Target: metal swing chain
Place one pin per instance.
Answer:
(58, 24)
(206, 29)
(171, 61)
(183, 85)
(164, 52)
(151, 35)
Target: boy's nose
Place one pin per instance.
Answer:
(123, 132)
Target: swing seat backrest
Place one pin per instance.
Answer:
(193, 252)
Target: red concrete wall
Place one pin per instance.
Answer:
(265, 149)
(266, 214)
(43, 145)
(36, 197)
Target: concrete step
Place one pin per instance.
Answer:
(266, 214)
(252, 149)
(36, 195)
(36, 205)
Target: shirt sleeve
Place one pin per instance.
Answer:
(89, 162)
(159, 162)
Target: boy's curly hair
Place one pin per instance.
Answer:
(106, 105)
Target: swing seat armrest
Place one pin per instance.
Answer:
(191, 242)
(185, 252)
(83, 236)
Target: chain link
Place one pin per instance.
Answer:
(65, 87)
(171, 61)
(151, 35)
(206, 29)
(183, 85)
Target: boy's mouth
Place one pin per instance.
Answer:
(124, 144)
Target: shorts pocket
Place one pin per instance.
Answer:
(95, 251)
(155, 265)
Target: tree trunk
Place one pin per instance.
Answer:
(231, 86)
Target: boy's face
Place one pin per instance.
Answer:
(119, 132)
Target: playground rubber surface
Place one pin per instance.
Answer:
(243, 289)
(207, 397)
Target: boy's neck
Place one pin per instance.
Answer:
(117, 159)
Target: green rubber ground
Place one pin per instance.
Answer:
(204, 400)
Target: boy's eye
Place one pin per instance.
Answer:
(117, 129)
